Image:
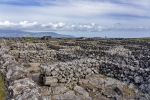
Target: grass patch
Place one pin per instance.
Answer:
(29, 38)
(34, 67)
(71, 86)
(128, 91)
(2, 89)
(140, 39)
(144, 39)
(103, 76)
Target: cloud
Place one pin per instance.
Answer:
(21, 25)
(92, 27)
(75, 15)
(100, 11)
(25, 25)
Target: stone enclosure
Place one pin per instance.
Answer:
(37, 69)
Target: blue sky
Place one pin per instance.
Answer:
(111, 18)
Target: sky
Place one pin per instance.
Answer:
(89, 18)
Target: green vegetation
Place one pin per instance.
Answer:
(29, 38)
(144, 39)
(140, 39)
(2, 89)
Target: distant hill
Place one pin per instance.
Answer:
(19, 33)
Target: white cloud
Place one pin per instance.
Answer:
(27, 24)
(7, 23)
(35, 26)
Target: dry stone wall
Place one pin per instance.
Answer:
(71, 71)
(15, 75)
(117, 62)
(123, 59)
(131, 75)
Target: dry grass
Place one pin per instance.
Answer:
(34, 66)
(103, 76)
(71, 86)
(128, 91)
(2, 89)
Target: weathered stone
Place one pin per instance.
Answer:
(52, 81)
(79, 69)
(81, 91)
(118, 91)
(59, 90)
(88, 70)
(131, 85)
(149, 81)
(54, 73)
(142, 98)
(138, 79)
(66, 96)
(63, 80)
(46, 37)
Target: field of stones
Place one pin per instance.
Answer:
(75, 68)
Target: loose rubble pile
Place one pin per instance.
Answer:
(75, 69)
